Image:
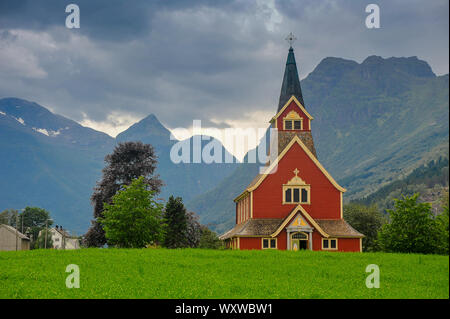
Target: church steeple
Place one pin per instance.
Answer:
(292, 119)
(291, 82)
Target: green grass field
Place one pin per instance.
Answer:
(195, 273)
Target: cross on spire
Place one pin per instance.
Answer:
(291, 38)
(296, 171)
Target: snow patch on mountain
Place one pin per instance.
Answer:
(41, 130)
(20, 120)
(49, 133)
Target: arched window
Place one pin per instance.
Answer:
(300, 235)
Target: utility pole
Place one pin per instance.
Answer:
(45, 240)
(63, 238)
(17, 230)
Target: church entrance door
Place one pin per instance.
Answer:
(299, 241)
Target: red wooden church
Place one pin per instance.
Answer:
(295, 204)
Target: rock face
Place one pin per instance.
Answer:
(285, 137)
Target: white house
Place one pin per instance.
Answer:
(62, 239)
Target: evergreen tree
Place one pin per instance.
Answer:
(129, 161)
(194, 230)
(176, 223)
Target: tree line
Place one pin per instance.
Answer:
(33, 222)
(410, 227)
(127, 213)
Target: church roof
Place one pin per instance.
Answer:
(271, 227)
(257, 227)
(338, 228)
(291, 82)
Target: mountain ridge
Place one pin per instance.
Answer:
(372, 125)
(53, 162)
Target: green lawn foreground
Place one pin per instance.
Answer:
(197, 273)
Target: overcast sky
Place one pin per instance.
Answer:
(217, 61)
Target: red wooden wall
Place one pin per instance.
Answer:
(344, 244)
(268, 197)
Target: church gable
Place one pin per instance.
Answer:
(292, 117)
(297, 178)
(299, 221)
(296, 155)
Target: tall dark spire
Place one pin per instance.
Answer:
(291, 82)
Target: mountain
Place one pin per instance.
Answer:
(50, 161)
(40, 122)
(377, 120)
(186, 180)
(429, 180)
(374, 123)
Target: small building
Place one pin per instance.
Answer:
(295, 203)
(62, 239)
(12, 239)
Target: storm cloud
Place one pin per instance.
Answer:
(218, 61)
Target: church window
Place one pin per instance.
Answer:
(287, 194)
(329, 243)
(304, 195)
(269, 243)
(288, 125)
(296, 194)
(273, 243)
(300, 235)
(293, 121)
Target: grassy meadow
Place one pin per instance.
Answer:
(197, 273)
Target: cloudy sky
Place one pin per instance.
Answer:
(217, 61)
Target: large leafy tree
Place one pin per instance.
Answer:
(129, 161)
(412, 229)
(134, 218)
(443, 225)
(9, 217)
(209, 239)
(34, 220)
(176, 223)
(367, 220)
